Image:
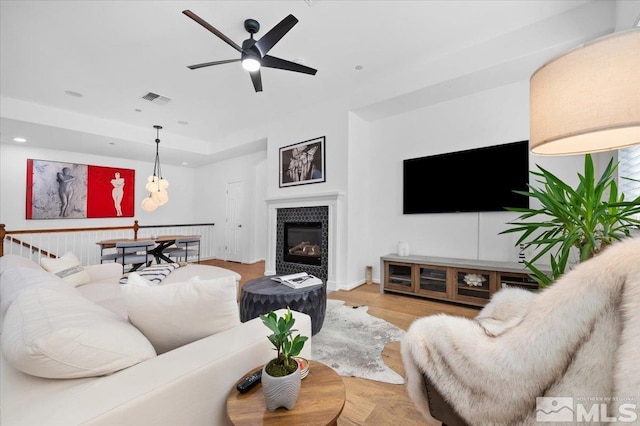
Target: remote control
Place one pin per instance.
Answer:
(249, 381)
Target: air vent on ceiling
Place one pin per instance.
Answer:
(156, 99)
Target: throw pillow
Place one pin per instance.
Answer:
(16, 280)
(53, 334)
(173, 315)
(68, 268)
(154, 273)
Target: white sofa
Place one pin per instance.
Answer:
(184, 386)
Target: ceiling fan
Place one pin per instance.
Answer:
(253, 53)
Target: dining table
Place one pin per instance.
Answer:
(162, 243)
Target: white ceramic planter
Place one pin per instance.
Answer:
(280, 391)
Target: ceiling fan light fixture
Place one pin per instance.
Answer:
(254, 53)
(250, 62)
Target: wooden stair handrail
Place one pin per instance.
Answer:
(29, 246)
(4, 233)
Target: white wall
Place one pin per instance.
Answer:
(260, 218)
(13, 169)
(211, 181)
(327, 119)
(627, 14)
(360, 190)
(492, 117)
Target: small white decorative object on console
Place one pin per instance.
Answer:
(474, 280)
(403, 248)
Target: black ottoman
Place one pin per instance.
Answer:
(262, 295)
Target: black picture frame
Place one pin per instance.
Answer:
(303, 163)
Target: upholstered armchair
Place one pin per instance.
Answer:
(577, 338)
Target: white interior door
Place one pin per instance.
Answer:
(233, 224)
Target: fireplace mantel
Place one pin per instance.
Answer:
(301, 200)
(334, 201)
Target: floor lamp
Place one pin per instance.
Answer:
(588, 99)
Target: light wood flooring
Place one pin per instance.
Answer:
(370, 402)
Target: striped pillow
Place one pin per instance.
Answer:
(154, 273)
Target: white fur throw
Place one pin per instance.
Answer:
(580, 337)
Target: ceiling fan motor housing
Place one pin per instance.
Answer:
(251, 25)
(249, 49)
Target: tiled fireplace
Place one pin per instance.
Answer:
(303, 236)
(302, 240)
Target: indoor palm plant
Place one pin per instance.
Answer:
(587, 218)
(281, 375)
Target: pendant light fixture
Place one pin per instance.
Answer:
(156, 184)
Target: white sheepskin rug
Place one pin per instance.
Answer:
(351, 342)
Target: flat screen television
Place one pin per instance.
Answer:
(474, 180)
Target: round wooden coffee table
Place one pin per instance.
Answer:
(321, 400)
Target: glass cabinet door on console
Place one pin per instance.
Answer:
(399, 277)
(518, 280)
(432, 281)
(473, 285)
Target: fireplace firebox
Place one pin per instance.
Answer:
(302, 243)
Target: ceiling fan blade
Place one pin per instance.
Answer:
(205, 24)
(257, 80)
(273, 62)
(208, 64)
(274, 35)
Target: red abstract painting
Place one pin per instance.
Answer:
(57, 190)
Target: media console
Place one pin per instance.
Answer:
(470, 282)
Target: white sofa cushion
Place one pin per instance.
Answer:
(173, 315)
(14, 280)
(68, 268)
(11, 261)
(53, 334)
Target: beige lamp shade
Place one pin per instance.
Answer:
(588, 100)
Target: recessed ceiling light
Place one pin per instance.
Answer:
(359, 67)
(184, 163)
(184, 123)
(21, 140)
(299, 61)
(72, 93)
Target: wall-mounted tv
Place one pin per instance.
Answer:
(474, 180)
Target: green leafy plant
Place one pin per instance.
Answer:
(284, 343)
(587, 218)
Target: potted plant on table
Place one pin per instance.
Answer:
(585, 219)
(281, 376)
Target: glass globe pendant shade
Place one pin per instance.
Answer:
(160, 197)
(149, 205)
(151, 186)
(163, 184)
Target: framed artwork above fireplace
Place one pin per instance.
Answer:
(303, 163)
